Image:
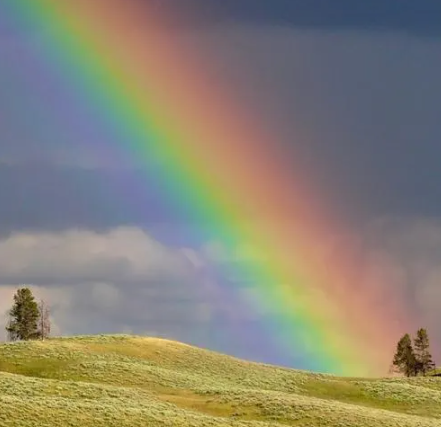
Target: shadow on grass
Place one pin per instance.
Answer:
(38, 368)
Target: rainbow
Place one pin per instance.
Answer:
(217, 165)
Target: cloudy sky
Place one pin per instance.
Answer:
(354, 91)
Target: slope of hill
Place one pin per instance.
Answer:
(132, 381)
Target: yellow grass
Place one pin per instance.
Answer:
(132, 381)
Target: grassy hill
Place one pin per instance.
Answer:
(132, 381)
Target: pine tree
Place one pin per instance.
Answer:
(404, 358)
(44, 323)
(24, 315)
(422, 352)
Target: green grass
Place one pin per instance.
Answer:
(132, 381)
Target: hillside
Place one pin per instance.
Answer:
(133, 381)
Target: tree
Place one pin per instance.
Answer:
(422, 352)
(24, 315)
(404, 358)
(44, 323)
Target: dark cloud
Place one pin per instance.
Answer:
(47, 196)
(358, 111)
(421, 17)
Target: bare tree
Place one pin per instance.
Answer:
(12, 334)
(44, 322)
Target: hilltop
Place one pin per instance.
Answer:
(133, 381)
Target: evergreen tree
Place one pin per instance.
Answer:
(404, 358)
(24, 315)
(422, 352)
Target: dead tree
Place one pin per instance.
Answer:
(44, 322)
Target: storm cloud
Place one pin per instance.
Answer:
(359, 110)
(419, 18)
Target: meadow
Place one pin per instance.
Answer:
(132, 381)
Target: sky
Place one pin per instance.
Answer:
(353, 89)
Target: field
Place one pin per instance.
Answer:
(132, 381)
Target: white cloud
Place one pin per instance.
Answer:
(124, 253)
(113, 281)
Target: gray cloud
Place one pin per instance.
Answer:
(421, 17)
(358, 111)
(107, 282)
(123, 254)
(55, 197)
